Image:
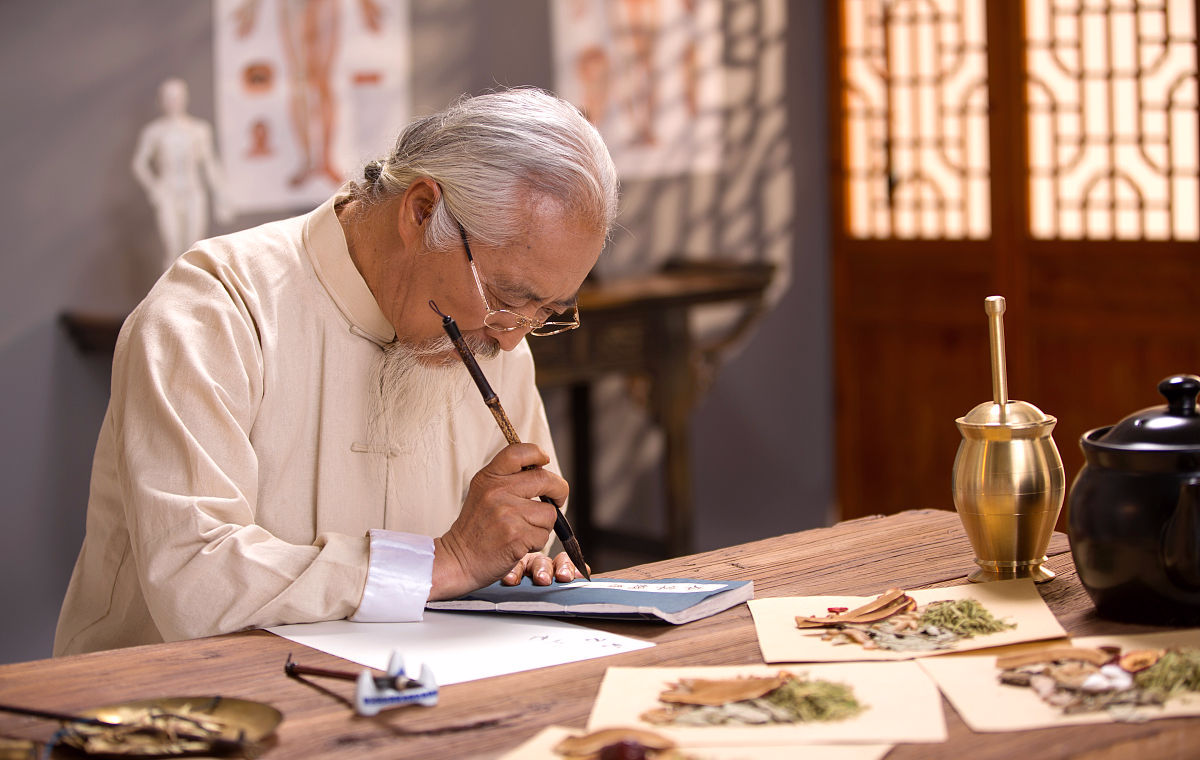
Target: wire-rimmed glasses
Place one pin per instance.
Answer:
(504, 320)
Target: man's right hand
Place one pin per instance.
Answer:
(501, 521)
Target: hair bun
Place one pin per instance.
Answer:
(372, 171)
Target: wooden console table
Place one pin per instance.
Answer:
(639, 325)
(636, 325)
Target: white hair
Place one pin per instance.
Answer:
(494, 154)
(413, 384)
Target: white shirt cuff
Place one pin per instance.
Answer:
(399, 577)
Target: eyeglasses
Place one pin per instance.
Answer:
(503, 320)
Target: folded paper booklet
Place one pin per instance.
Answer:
(674, 600)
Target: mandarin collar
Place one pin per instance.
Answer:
(325, 243)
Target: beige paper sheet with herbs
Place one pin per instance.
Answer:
(1016, 601)
(972, 685)
(541, 747)
(903, 705)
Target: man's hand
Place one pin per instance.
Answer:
(500, 525)
(541, 569)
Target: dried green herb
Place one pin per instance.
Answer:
(816, 700)
(964, 617)
(1177, 671)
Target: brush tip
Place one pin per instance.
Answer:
(571, 546)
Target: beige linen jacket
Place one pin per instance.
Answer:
(233, 484)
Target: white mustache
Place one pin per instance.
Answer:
(482, 346)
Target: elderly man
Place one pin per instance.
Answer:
(291, 438)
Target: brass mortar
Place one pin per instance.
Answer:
(1008, 476)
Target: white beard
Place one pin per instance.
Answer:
(414, 385)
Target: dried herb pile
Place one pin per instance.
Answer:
(1176, 671)
(784, 698)
(153, 731)
(893, 621)
(964, 618)
(1080, 680)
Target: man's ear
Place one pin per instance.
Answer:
(419, 201)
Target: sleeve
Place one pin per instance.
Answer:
(398, 580)
(187, 382)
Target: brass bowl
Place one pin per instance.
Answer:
(236, 723)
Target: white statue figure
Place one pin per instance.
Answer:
(174, 158)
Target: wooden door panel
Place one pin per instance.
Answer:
(1096, 375)
(911, 351)
(919, 281)
(1142, 287)
(898, 409)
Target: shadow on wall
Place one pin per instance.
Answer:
(50, 394)
(756, 406)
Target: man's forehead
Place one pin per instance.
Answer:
(548, 263)
(523, 291)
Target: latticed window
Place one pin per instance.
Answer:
(1110, 119)
(916, 119)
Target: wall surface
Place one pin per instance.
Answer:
(80, 83)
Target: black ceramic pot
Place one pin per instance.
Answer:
(1135, 512)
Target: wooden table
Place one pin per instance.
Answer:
(485, 718)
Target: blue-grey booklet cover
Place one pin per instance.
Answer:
(674, 600)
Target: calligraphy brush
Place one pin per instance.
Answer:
(562, 528)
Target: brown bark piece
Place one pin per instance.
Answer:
(703, 691)
(1055, 654)
(882, 607)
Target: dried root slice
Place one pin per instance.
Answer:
(658, 716)
(1055, 654)
(703, 691)
(592, 744)
(1139, 660)
(1072, 674)
(889, 603)
(856, 635)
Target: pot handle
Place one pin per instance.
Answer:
(1181, 538)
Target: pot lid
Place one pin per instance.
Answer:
(1014, 414)
(1176, 425)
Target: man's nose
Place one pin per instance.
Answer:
(511, 339)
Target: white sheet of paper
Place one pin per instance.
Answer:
(541, 747)
(461, 647)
